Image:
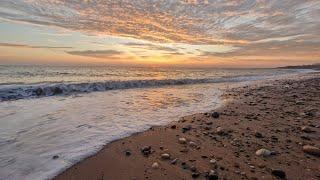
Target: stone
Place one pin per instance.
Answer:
(182, 140)
(146, 150)
(155, 165)
(165, 156)
(263, 152)
(312, 150)
(173, 127)
(213, 161)
(174, 161)
(258, 135)
(55, 157)
(306, 129)
(128, 152)
(195, 174)
(221, 131)
(279, 173)
(212, 175)
(186, 128)
(193, 168)
(192, 144)
(215, 115)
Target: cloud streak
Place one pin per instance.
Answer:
(96, 53)
(33, 47)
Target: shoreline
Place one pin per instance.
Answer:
(122, 159)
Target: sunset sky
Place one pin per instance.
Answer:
(196, 33)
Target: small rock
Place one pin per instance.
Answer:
(193, 168)
(55, 157)
(182, 140)
(192, 144)
(263, 152)
(306, 129)
(221, 131)
(173, 127)
(212, 175)
(174, 161)
(128, 152)
(258, 135)
(186, 128)
(165, 156)
(146, 151)
(311, 150)
(155, 165)
(195, 174)
(215, 115)
(213, 161)
(279, 173)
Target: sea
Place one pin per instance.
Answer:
(52, 117)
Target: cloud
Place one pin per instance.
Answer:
(96, 53)
(150, 46)
(245, 24)
(31, 46)
(194, 21)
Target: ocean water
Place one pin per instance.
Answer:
(71, 112)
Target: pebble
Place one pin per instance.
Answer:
(195, 174)
(165, 156)
(55, 157)
(212, 175)
(213, 161)
(311, 150)
(174, 161)
(186, 128)
(128, 152)
(215, 115)
(155, 165)
(192, 144)
(182, 140)
(193, 168)
(146, 150)
(258, 135)
(279, 173)
(306, 129)
(220, 131)
(263, 152)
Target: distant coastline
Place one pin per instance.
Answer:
(311, 66)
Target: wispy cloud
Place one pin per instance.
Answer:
(96, 53)
(34, 47)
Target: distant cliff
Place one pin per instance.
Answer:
(312, 66)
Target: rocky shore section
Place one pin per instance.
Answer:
(267, 131)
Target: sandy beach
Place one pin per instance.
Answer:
(264, 131)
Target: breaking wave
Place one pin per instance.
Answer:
(42, 90)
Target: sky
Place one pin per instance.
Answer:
(191, 33)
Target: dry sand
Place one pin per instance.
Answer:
(282, 117)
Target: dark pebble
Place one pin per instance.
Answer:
(55, 157)
(279, 173)
(215, 115)
(195, 175)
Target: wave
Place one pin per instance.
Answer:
(43, 90)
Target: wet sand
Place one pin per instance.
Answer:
(264, 131)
